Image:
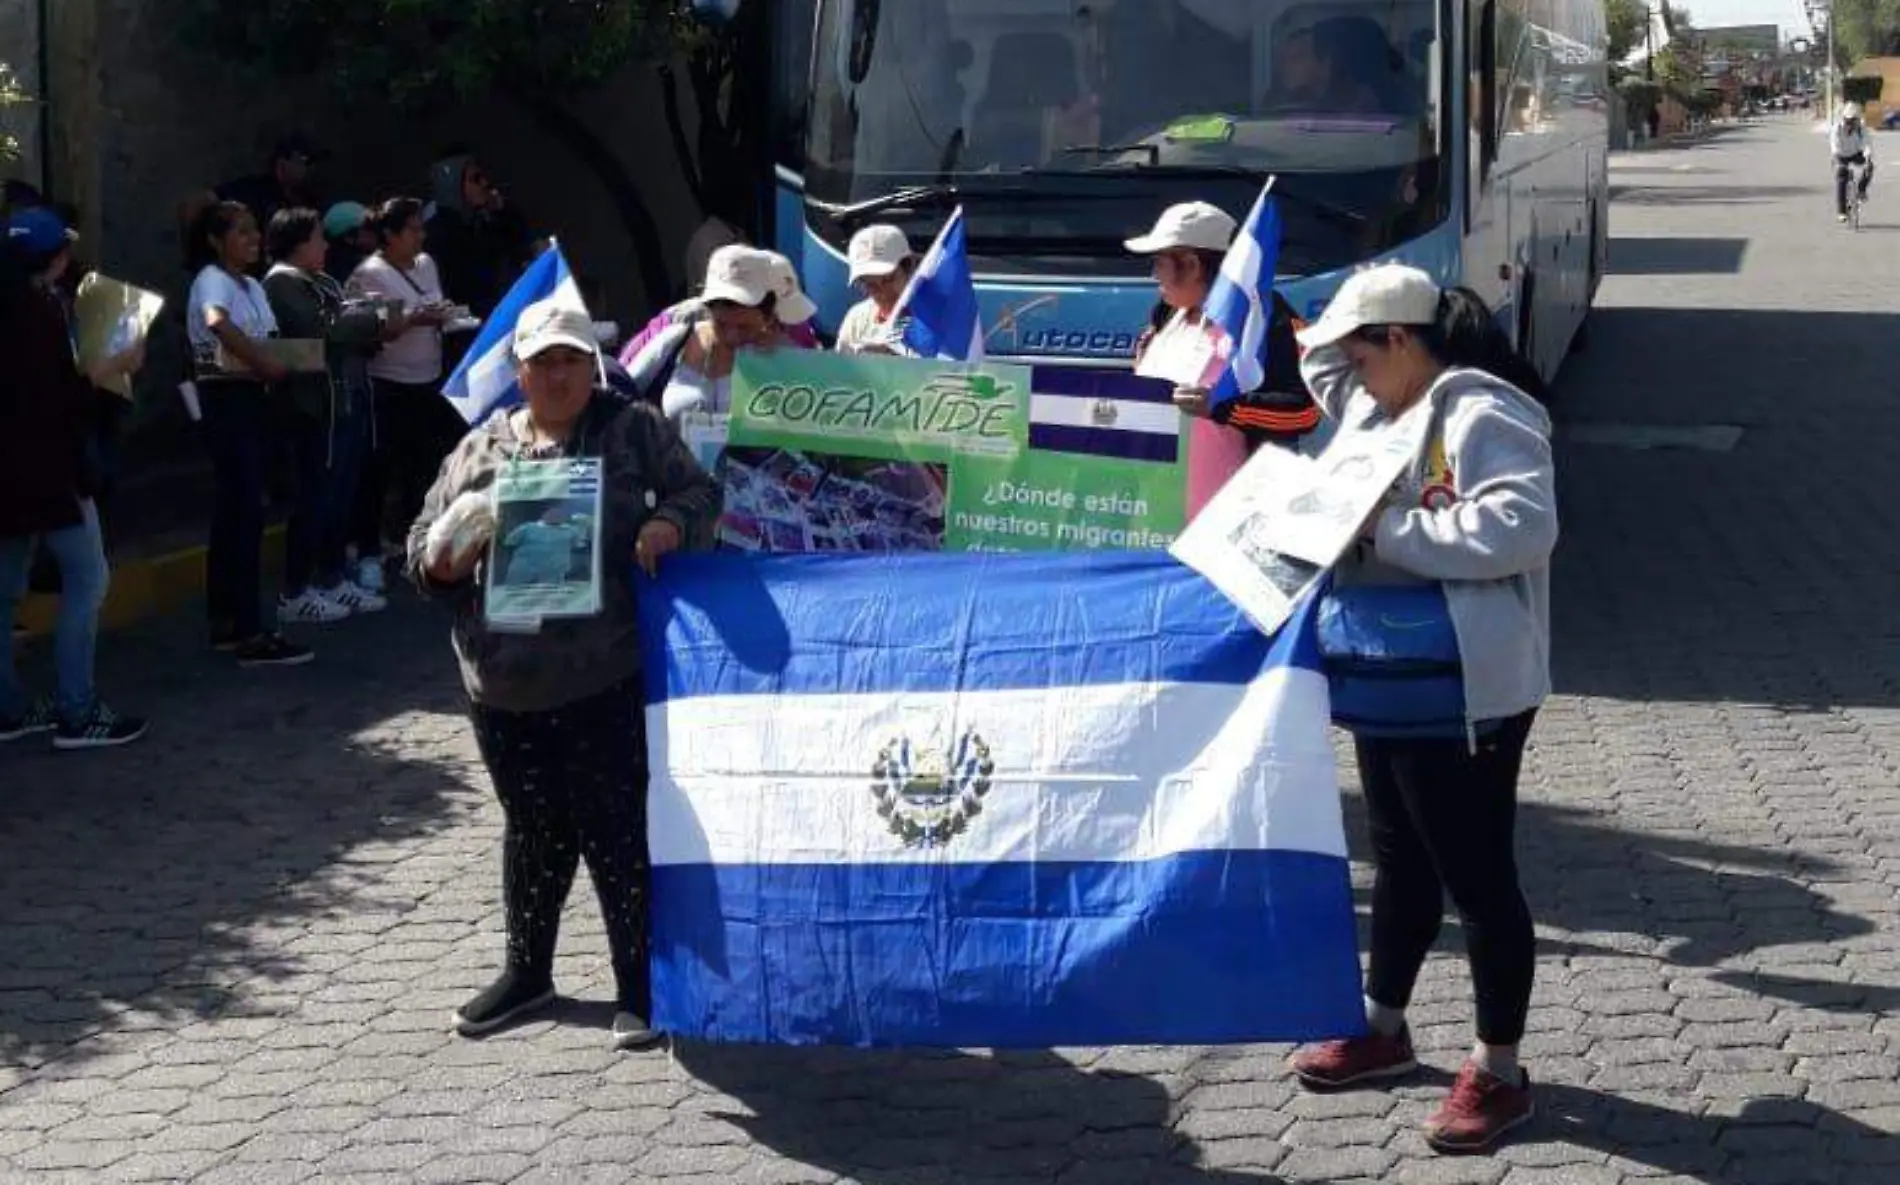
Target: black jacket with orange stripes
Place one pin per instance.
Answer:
(1281, 410)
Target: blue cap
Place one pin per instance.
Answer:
(344, 218)
(36, 230)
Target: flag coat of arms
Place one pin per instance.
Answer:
(988, 801)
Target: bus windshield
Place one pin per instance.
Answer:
(1117, 108)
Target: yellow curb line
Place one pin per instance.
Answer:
(144, 588)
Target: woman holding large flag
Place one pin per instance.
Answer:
(556, 703)
(1459, 550)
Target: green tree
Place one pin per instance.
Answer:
(1628, 21)
(541, 54)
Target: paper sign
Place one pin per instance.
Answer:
(1187, 354)
(705, 436)
(1284, 519)
(300, 355)
(111, 317)
(544, 561)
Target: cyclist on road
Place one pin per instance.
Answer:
(1851, 145)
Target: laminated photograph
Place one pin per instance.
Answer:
(544, 561)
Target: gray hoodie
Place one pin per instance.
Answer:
(1477, 512)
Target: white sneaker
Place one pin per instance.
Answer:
(310, 606)
(369, 576)
(355, 598)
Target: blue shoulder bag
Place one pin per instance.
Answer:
(1391, 658)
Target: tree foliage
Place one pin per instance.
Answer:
(1863, 29)
(422, 54)
(1628, 20)
(418, 52)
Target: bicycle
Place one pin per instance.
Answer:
(1855, 198)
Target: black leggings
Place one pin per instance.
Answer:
(1443, 820)
(572, 784)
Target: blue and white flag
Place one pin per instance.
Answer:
(1241, 300)
(988, 801)
(485, 381)
(1103, 413)
(939, 310)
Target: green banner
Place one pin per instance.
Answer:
(875, 406)
(1045, 501)
(829, 452)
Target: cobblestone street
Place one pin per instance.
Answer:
(229, 953)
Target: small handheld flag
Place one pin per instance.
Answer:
(1241, 300)
(939, 310)
(485, 381)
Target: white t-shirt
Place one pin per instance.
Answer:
(861, 327)
(241, 297)
(416, 356)
(690, 390)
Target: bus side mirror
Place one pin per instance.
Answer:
(716, 12)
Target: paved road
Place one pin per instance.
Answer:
(227, 955)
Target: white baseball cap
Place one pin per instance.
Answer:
(1390, 294)
(792, 305)
(877, 251)
(550, 323)
(1196, 226)
(747, 275)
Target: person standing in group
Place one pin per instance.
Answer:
(750, 297)
(290, 179)
(1188, 244)
(1470, 525)
(480, 240)
(329, 416)
(881, 264)
(414, 426)
(352, 238)
(558, 711)
(228, 318)
(649, 358)
(47, 413)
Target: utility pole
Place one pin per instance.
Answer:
(1649, 43)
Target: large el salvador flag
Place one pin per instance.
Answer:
(988, 801)
(485, 381)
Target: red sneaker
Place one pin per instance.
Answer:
(1334, 1064)
(1482, 1107)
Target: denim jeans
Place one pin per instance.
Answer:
(329, 468)
(80, 554)
(237, 424)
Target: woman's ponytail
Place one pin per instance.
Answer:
(1464, 333)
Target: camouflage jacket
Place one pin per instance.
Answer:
(647, 473)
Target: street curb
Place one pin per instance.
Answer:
(142, 588)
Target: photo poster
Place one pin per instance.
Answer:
(544, 559)
(1269, 537)
(110, 317)
(828, 452)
